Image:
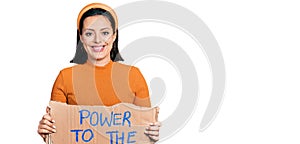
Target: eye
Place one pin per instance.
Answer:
(88, 34)
(105, 33)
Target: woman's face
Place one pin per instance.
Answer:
(97, 37)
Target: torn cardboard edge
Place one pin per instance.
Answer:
(120, 123)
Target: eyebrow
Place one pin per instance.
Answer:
(94, 30)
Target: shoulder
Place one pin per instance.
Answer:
(130, 71)
(68, 71)
(70, 68)
(121, 65)
(125, 67)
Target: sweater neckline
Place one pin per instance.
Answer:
(106, 66)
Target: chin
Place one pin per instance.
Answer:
(99, 57)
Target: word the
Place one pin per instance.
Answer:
(121, 138)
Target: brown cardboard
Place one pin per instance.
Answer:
(125, 121)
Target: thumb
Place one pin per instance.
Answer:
(48, 109)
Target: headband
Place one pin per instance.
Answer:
(97, 5)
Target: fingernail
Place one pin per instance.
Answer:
(54, 127)
(53, 130)
(53, 121)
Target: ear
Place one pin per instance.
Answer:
(114, 37)
(80, 37)
(81, 40)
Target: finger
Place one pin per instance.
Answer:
(43, 129)
(48, 117)
(44, 132)
(47, 122)
(48, 109)
(48, 128)
(152, 133)
(154, 138)
(152, 128)
(156, 124)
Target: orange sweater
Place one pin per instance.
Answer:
(86, 84)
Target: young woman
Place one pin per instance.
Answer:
(98, 79)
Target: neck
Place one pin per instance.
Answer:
(100, 62)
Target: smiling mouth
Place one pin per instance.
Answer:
(98, 48)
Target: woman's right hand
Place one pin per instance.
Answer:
(46, 125)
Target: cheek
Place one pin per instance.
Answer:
(85, 42)
(85, 46)
(110, 41)
(110, 46)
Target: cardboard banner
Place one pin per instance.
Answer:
(119, 124)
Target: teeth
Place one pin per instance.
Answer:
(98, 48)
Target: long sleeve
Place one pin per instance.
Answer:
(59, 90)
(140, 88)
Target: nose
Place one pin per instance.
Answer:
(98, 39)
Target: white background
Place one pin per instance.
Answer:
(259, 40)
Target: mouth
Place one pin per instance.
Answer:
(99, 48)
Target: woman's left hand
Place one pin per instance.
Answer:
(153, 131)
